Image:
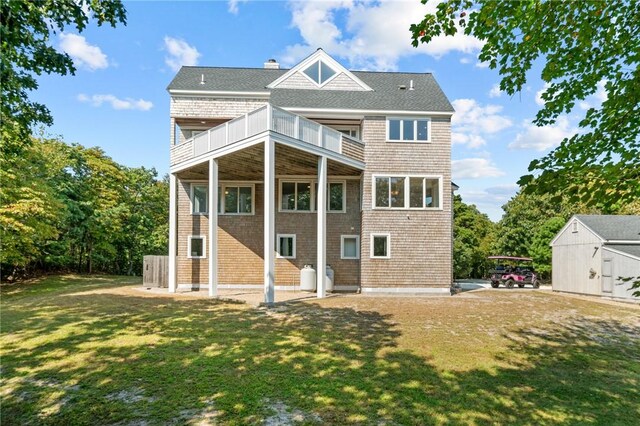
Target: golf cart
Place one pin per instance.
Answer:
(512, 271)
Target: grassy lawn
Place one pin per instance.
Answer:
(95, 351)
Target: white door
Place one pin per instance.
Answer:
(607, 275)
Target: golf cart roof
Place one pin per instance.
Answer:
(526, 259)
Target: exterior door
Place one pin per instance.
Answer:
(607, 275)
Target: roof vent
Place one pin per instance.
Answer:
(411, 85)
(402, 87)
(202, 79)
(271, 64)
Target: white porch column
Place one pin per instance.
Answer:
(173, 231)
(269, 220)
(213, 227)
(321, 210)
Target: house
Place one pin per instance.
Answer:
(311, 165)
(593, 252)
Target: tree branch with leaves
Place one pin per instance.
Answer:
(581, 44)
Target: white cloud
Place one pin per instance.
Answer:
(376, 34)
(233, 5)
(472, 122)
(495, 91)
(539, 100)
(465, 60)
(474, 168)
(84, 55)
(543, 138)
(471, 140)
(179, 53)
(116, 103)
(482, 64)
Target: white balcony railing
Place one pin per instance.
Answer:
(255, 122)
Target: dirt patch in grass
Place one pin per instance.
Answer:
(100, 352)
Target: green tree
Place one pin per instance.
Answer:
(25, 31)
(32, 210)
(473, 233)
(539, 249)
(580, 44)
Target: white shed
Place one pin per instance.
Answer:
(593, 252)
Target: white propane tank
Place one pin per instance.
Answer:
(308, 278)
(328, 280)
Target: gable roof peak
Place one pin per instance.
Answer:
(319, 56)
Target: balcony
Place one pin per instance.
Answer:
(261, 120)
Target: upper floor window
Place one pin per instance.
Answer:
(319, 72)
(199, 199)
(407, 192)
(408, 129)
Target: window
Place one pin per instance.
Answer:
(295, 196)
(408, 129)
(286, 246)
(336, 197)
(349, 247)
(400, 192)
(199, 198)
(319, 72)
(196, 247)
(380, 246)
(574, 226)
(237, 199)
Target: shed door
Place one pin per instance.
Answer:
(607, 275)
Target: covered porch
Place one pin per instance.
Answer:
(258, 172)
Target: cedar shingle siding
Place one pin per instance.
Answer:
(420, 240)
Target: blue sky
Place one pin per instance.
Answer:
(117, 100)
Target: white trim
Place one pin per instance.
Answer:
(295, 196)
(313, 181)
(206, 201)
(317, 83)
(332, 178)
(213, 228)
(380, 234)
(407, 194)
(269, 271)
(293, 237)
(361, 113)
(173, 232)
(219, 93)
(415, 120)
(633, 242)
(321, 233)
(568, 224)
(342, 238)
(236, 184)
(319, 54)
(405, 290)
(295, 288)
(621, 253)
(204, 246)
(259, 138)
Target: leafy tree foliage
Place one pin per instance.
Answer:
(74, 208)
(473, 233)
(25, 31)
(581, 44)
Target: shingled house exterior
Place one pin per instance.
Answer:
(312, 165)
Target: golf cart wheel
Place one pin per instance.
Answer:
(509, 283)
(536, 284)
(495, 285)
(521, 285)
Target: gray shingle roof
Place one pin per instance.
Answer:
(427, 95)
(613, 227)
(632, 249)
